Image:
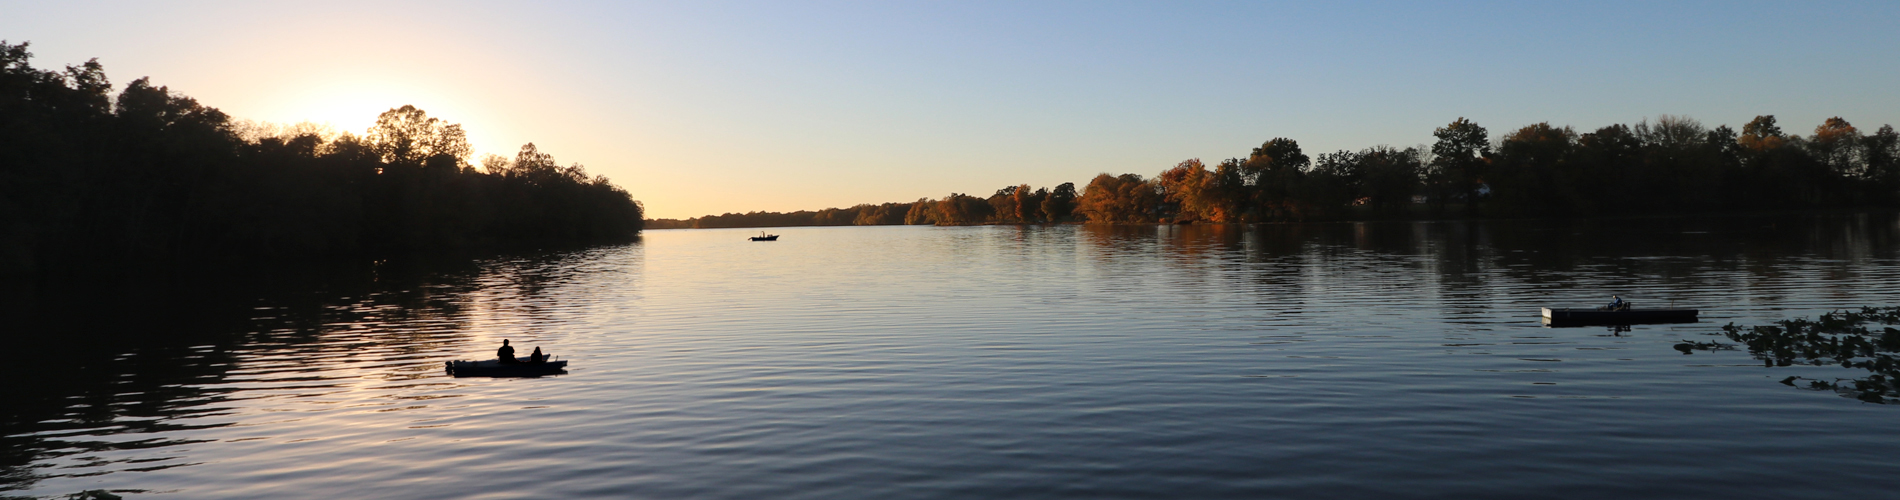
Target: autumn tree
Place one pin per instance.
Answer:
(1838, 145)
(1123, 198)
(1761, 134)
(1003, 206)
(1201, 194)
(882, 214)
(923, 211)
(1180, 184)
(1780, 171)
(960, 209)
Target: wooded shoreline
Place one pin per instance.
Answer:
(90, 180)
(1673, 165)
(1422, 218)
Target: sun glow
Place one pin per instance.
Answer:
(344, 106)
(353, 105)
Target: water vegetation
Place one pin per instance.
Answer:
(90, 179)
(1673, 165)
(1835, 338)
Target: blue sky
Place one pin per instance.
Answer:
(710, 107)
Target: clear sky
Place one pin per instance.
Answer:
(708, 107)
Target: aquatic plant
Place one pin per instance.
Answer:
(1841, 337)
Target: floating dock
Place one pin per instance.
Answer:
(1589, 316)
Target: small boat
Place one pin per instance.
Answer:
(496, 368)
(765, 237)
(1628, 316)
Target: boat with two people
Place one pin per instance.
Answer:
(765, 237)
(506, 364)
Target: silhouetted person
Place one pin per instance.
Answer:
(506, 353)
(537, 357)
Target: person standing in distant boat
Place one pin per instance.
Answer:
(506, 353)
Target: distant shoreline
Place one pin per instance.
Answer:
(1671, 166)
(1723, 214)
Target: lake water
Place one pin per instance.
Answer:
(1371, 360)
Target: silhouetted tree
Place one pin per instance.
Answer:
(1274, 171)
(1332, 185)
(1883, 164)
(408, 136)
(1060, 204)
(1460, 159)
(1837, 144)
(1391, 177)
(1029, 203)
(92, 181)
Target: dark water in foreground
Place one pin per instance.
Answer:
(1317, 361)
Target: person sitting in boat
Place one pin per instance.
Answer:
(506, 353)
(1617, 303)
(537, 357)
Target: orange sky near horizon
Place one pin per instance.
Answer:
(717, 107)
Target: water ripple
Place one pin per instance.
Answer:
(1317, 360)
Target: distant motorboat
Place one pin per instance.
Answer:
(765, 237)
(1623, 316)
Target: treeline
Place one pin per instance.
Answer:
(89, 179)
(861, 215)
(1011, 204)
(1674, 165)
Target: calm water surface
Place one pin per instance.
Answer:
(1372, 360)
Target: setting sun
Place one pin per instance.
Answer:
(348, 105)
(352, 105)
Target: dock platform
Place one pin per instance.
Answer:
(1633, 316)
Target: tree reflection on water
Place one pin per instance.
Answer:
(1714, 263)
(1836, 338)
(129, 363)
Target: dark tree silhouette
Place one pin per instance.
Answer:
(1461, 156)
(89, 181)
(1060, 205)
(1275, 170)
